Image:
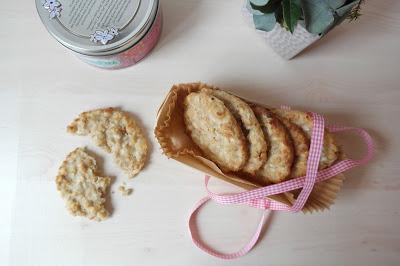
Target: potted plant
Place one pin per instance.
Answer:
(289, 26)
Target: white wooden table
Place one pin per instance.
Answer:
(352, 76)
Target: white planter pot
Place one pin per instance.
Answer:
(283, 42)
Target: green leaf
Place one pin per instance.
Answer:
(291, 13)
(265, 22)
(318, 15)
(268, 8)
(253, 10)
(259, 2)
(279, 16)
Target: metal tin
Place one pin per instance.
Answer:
(105, 33)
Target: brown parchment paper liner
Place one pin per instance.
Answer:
(176, 144)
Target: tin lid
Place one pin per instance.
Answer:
(97, 27)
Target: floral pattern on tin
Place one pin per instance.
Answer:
(54, 7)
(104, 36)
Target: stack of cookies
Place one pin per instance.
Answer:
(243, 143)
(264, 145)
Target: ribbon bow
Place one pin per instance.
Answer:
(256, 198)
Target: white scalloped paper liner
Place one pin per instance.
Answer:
(176, 144)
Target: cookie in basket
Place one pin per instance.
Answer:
(330, 151)
(250, 125)
(301, 146)
(280, 157)
(215, 130)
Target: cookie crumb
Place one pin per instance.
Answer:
(124, 190)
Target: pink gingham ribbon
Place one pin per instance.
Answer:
(257, 198)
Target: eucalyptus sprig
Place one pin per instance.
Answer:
(318, 16)
(356, 11)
